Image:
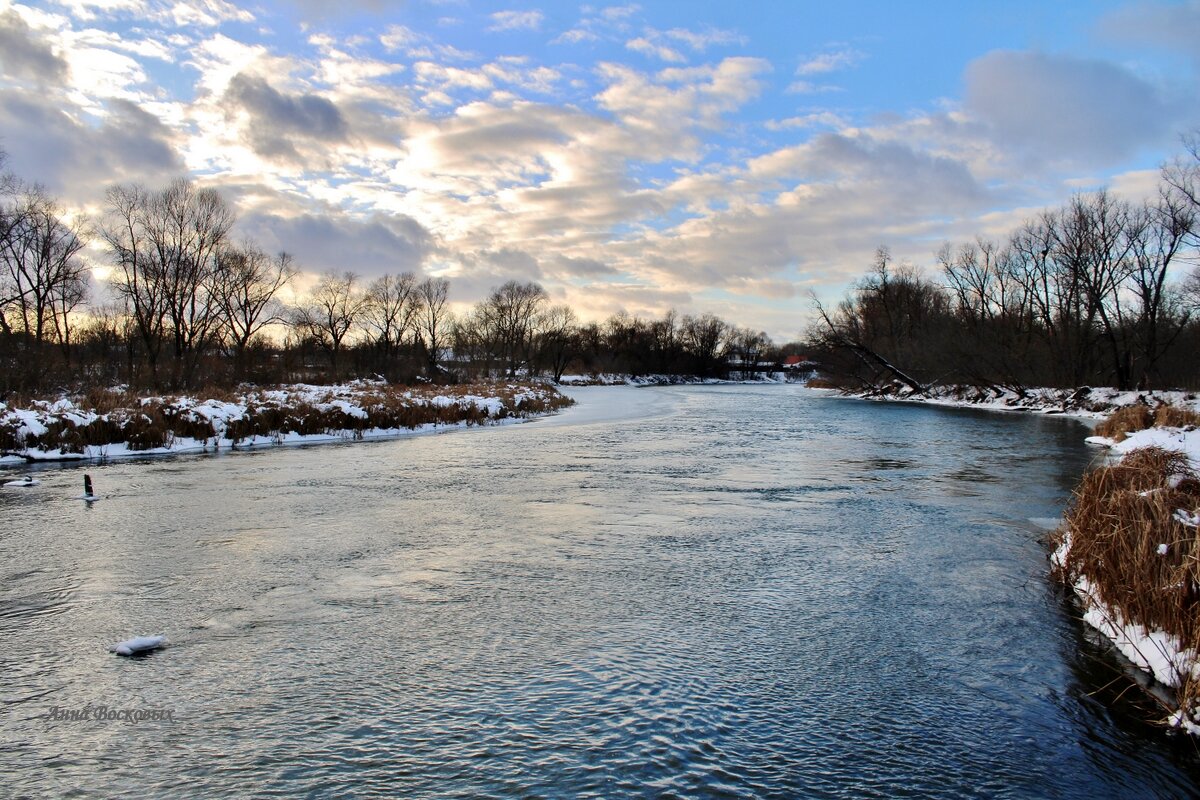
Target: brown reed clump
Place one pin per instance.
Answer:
(1175, 417)
(1126, 420)
(1121, 517)
(103, 401)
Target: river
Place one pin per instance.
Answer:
(721, 591)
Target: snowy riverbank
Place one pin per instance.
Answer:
(1128, 549)
(115, 425)
(1085, 402)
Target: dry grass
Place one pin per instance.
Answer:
(1126, 420)
(1120, 517)
(1138, 417)
(1175, 417)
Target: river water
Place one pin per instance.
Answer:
(695, 592)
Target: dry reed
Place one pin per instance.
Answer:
(1175, 417)
(1126, 420)
(1141, 556)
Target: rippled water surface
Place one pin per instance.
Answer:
(717, 591)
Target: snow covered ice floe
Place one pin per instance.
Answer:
(28, 480)
(138, 644)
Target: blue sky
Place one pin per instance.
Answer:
(707, 156)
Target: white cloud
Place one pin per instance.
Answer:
(575, 36)
(100, 73)
(614, 13)
(207, 13)
(830, 62)
(808, 87)
(149, 47)
(445, 78)
(702, 40)
(818, 119)
(399, 36)
(516, 20)
(87, 10)
(648, 48)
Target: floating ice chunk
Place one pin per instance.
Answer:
(138, 644)
(28, 480)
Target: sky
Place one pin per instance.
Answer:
(721, 157)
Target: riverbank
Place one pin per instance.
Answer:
(1085, 402)
(1129, 548)
(116, 424)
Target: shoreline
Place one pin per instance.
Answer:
(1084, 403)
(297, 414)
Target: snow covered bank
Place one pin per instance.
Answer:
(1085, 402)
(1177, 440)
(1130, 550)
(136, 426)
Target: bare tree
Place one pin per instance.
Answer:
(8, 182)
(1189, 292)
(746, 347)
(508, 318)
(557, 339)
(165, 245)
(664, 342)
(139, 278)
(1182, 176)
(432, 318)
(246, 287)
(704, 337)
(1156, 236)
(391, 310)
(42, 279)
(334, 307)
(188, 227)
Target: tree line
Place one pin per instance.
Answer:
(193, 307)
(1099, 291)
